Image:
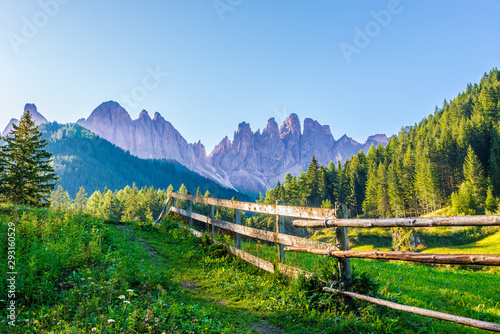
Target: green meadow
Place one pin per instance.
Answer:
(81, 274)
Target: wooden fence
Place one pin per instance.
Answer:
(324, 218)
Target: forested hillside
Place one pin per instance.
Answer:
(83, 159)
(451, 158)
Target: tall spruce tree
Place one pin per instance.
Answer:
(59, 199)
(80, 200)
(27, 176)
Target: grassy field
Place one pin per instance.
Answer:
(79, 274)
(489, 245)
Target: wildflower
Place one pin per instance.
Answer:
(94, 329)
(126, 302)
(110, 321)
(121, 297)
(130, 290)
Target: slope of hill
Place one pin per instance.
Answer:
(451, 158)
(81, 158)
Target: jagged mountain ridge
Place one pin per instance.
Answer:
(251, 162)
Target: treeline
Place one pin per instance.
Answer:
(127, 204)
(449, 160)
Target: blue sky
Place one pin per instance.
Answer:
(362, 67)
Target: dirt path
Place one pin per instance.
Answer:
(192, 286)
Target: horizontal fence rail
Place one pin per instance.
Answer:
(323, 218)
(282, 210)
(479, 259)
(284, 239)
(420, 311)
(493, 220)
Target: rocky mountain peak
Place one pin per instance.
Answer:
(35, 116)
(144, 114)
(311, 126)
(223, 147)
(158, 117)
(378, 138)
(244, 127)
(291, 126)
(271, 128)
(109, 112)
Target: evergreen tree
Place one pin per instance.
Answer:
(170, 189)
(425, 185)
(59, 199)
(370, 202)
(491, 203)
(110, 208)
(182, 189)
(28, 177)
(462, 202)
(94, 203)
(383, 207)
(474, 175)
(80, 200)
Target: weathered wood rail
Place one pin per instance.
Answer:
(323, 218)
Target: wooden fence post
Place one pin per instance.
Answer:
(211, 215)
(190, 209)
(173, 199)
(280, 228)
(237, 221)
(345, 274)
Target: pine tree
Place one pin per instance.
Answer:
(80, 200)
(383, 207)
(170, 189)
(370, 203)
(28, 178)
(59, 199)
(110, 208)
(313, 183)
(94, 203)
(491, 203)
(474, 175)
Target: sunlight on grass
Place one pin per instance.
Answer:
(489, 245)
(371, 248)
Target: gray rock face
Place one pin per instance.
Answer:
(251, 161)
(255, 161)
(36, 116)
(145, 137)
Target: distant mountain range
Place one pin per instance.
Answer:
(250, 162)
